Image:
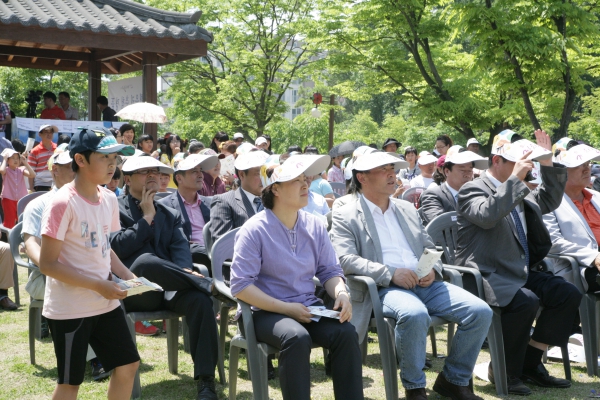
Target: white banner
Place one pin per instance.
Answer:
(64, 126)
(124, 92)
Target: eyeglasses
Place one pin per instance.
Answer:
(441, 147)
(147, 171)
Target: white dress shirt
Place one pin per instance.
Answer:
(519, 208)
(396, 250)
(454, 192)
(251, 197)
(420, 181)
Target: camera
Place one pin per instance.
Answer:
(33, 97)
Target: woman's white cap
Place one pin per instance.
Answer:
(293, 167)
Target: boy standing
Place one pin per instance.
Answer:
(81, 301)
(38, 159)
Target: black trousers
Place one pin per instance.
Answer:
(295, 339)
(560, 301)
(199, 256)
(195, 304)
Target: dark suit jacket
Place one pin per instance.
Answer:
(229, 211)
(174, 201)
(436, 201)
(133, 240)
(488, 239)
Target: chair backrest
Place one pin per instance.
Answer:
(338, 188)
(208, 239)
(443, 230)
(413, 195)
(14, 242)
(161, 195)
(21, 204)
(222, 250)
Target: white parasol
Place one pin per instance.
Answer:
(143, 112)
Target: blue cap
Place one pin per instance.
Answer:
(99, 141)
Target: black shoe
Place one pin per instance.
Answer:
(98, 372)
(515, 385)
(270, 367)
(428, 364)
(485, 345)
(45, 331)
(206, 389)
(540, 377)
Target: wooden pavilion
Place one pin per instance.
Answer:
(98, 37)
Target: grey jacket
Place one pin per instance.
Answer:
(355, 240)
(436, 201)
(487, 237)
(229, 211)
(572, 236)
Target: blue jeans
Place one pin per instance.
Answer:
(412, 309)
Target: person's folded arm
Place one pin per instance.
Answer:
(129, 240)
(550, 193)
(118, 268)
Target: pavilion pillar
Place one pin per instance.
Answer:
(149, 64)
(94, 87)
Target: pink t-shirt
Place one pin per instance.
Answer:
(13, 186)
(84, 228)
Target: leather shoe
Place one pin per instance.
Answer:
(415, 394)
(540, 377)
(455, 392)
(515, 385)
(206, 389)
(8, 304)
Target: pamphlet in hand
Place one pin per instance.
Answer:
(137, 285)
(321, 311)
(427, 261)
(29, 145)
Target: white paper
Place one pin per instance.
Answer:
(227, 165)
(323, 312)
(427, 261)
(29, 146)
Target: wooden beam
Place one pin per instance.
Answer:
(44, 53)
(70, 37)
(149, 91)
(10, 57)
(94, 89)
(128, 57)
(57, 61)
(79, 63)
(47, 64)
(122, 60)
(108, 65)
(136, 55)
(33, 60)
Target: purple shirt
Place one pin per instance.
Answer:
(282, 262)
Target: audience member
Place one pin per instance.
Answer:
(442, 144)
(172, 147)
(7, 265)
(64, 99)
(108, 114)
(310, 149)
(574, 226)
(81, 302)
(63, 139)
(410, 155)
(213, 184)
(317, 204)
(351, 192)
(152, 244)
(113, 185)
(5, 118)
(501, 233)
(384, 238)
(391, 145)
(14, 168)
(335, 173)
(14, 143)
(473, 145)
(268, 137)
(238, 138)
(427, 163)
(458, 170)
(195, 147)
(163, 182)
(228, 148)
(38, 159)
(128, 132)
(276, 255)
(438, 175)
(216, 141)
(294, 148)
(145, 143)
(261, 143)
(194, 209)
(51, 110)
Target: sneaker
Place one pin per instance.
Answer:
(206, 389)
(145, 328)
(98, 372)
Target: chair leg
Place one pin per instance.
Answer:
(588, 328)
(16, 287)
(262, 376)
(566, 362)
(433, 342)
(185, 332)
(364, 348)
(172, 344)
(136, 392)
(33, 315)
(234, 354)
(223, 327)
(496, 343)
(451, 329)
(221, 362)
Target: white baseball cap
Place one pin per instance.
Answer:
(205, 161)
(358, 152)
(427, 158)
(244, 148)
(578, 155)
(46, 126)
(466, 157)
(514, 151)
(135, 163)
(368, 162)
(307, 164)
(8, 152)
(260, 140)
(238, 135)
(249, 160)
(472, 141)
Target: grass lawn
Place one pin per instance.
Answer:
(22, 380)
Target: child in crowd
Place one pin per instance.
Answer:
(335, 173)
(13, 169)
(163, 182)
(81, 301)
(145, 143)
(113, 185)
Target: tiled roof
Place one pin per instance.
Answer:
(110, 16)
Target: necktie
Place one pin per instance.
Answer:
(259, 204)
(521, 233)
(456, 198)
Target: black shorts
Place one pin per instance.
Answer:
(108, 335)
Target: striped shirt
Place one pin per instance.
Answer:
(38, 159)
(4, 113)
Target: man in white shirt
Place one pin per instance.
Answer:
(383, 238)
(458, 169)
(426, 163)
(64, 99)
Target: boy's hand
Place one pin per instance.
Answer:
(110, 290)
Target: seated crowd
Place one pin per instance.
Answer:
(282, 205)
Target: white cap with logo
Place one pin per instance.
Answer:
(142, 162)
(472, 141)
(293, 167)
(205, 161)
(466, 157)
(368, 162)
(249, 160)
